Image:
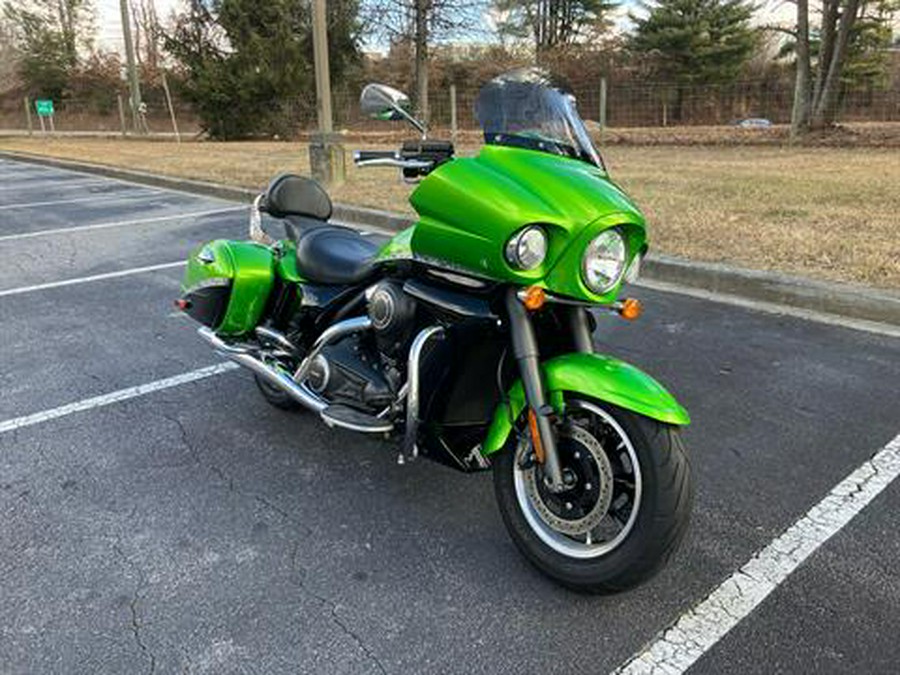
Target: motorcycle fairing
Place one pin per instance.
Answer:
(596, 375)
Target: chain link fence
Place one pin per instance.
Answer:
(625, 106)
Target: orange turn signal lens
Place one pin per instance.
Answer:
(535, 436)
(631, 309)
(533, 298)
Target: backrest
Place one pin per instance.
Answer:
(291, 195)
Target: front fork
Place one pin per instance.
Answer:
(525, 349)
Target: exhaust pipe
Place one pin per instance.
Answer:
(243, 357)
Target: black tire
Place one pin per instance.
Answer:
(660, 525)
(275, 396)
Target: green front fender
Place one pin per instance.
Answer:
(600, 377)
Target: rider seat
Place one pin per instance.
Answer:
(326, 254)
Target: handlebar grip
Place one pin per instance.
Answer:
(366, 155)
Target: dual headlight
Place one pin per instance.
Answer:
(602, 265)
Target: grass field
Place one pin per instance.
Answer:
(830, 213)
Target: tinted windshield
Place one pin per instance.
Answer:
(526, 108)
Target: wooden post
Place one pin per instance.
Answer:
(453, 113)
(134, 81)
(602, 103)
(326, 153)
(121, 115)
(320, 59)
(28, 116)
(665, 113)
(165, 85)
(52, 126)
(43, 128)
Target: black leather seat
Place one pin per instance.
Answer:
(326, 254)
(330, 254)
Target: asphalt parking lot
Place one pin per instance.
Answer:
(190, 527)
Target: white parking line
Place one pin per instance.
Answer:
(93, 277)
(93, 198)
(115, 397)
(55, 184)
(119, 223)
(696, 631)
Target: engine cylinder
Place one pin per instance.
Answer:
(392, 313)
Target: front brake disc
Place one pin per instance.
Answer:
(598, 496)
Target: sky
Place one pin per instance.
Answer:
(109, 23)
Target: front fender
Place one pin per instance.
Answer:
(601, 377)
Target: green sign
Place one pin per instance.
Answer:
(44, 107)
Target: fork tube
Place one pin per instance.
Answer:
(581, 330)
(525, 349)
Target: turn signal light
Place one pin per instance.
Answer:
(535, 436)
(183, 304)
(631, 309)
(533, 298)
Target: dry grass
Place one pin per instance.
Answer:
(824, 212)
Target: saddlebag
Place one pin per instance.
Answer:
(227, 285)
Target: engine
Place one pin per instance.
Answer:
(366, 371)
(350, 372)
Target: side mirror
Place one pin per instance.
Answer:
(382, 102)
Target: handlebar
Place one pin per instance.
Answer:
(363, 158)
(367, 155)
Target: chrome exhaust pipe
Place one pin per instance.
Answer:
(283, 381)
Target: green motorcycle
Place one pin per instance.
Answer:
(467, 337)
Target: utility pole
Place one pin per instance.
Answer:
(134, 83)
(326, 154)
(323, 76)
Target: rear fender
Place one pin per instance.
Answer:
(600, 377)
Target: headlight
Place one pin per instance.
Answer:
(527, 248)
(634, 269)
(604, 261)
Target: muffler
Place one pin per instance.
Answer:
(242, 356)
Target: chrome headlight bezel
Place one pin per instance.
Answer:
(604, 261)
(527, 248)
(634, 269)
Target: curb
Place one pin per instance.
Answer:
(845, 300)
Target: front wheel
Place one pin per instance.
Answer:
(624, 511)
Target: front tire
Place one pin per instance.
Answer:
(626, 511)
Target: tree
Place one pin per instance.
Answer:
(147, 33)
(9, 57)
(689, 42)
(48, 34)
(422, 22)
(553, 23)
(847, 48)
(248, 63)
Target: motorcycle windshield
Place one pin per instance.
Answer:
(526, 108)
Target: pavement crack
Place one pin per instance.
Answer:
(333, 610)
(358, 640)
(228, 480)
(136, 626)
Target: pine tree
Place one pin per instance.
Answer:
(248, 63)
(690, 42)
